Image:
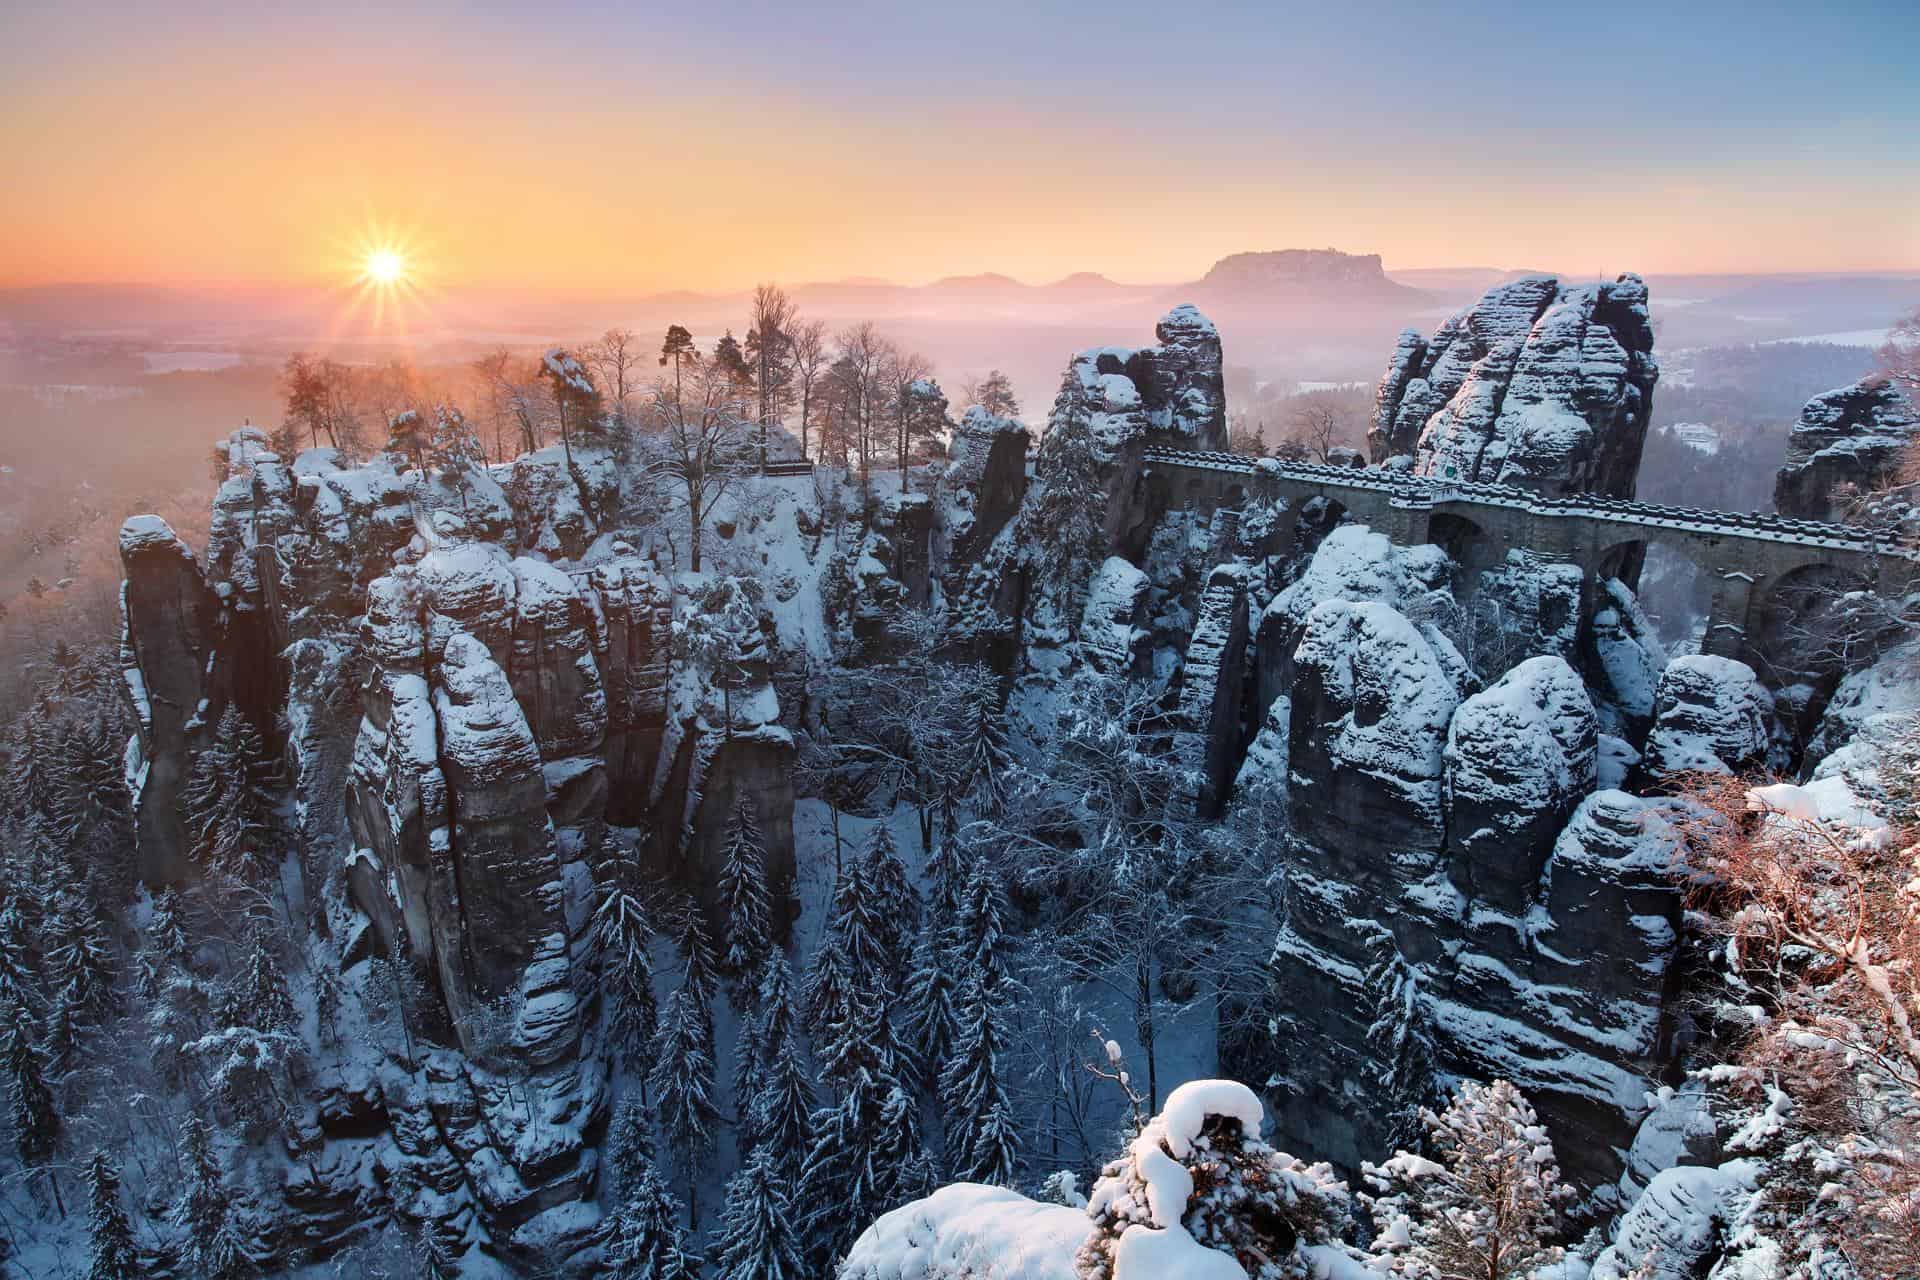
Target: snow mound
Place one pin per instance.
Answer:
(969, 1232)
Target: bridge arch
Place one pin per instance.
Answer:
(1678, 587)
(1806, 624)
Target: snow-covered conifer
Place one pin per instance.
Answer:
(30, 1106)
(209, 1244)
(843, 1186)
(1242, 1198)
(111, 1255)
(981, 1144)
(744, 900)
(1401, 1039)
(258, 996)
(682, 1081)
(892, 907)
(1487, 1206)
(227, 802)
(929, 999)
(645, 1240)
(620, 934)
(758, 1239)
(79, 952)
(782, 1108)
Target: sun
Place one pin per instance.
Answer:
(384, 266)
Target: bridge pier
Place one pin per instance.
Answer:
(1727, 621)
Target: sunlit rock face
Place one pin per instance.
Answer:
(1539, 385)
(1847, 443)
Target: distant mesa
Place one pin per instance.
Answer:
(1288, 275)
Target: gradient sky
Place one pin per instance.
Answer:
(640, 146)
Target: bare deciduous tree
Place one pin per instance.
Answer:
(1318, 425)
(616, 358)
(706, 446)
(811, 356)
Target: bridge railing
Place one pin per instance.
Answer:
(1411, 490)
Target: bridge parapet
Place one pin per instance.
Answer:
(1411, 492)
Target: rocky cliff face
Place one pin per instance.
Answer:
(474, 685)
(1539, 385)
(1846, 444)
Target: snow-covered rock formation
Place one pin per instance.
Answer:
(1540, 385)
(1711, 715)
(1172, 393)
(473, 681)
(1847, 443)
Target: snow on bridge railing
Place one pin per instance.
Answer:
(1411, 490)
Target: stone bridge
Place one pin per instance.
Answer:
(1750, 560)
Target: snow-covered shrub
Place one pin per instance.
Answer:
(1198, 1177)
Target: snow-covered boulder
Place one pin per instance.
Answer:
(1711, 714)
(1355, 563)
(1519, 755)
(1679, 1225)
(1372, 698)
(1624, 662)
(1680, 1130)
(1540, 385)
(980, 490)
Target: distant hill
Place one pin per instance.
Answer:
(1298, 275)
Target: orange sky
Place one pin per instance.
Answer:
(609, 153)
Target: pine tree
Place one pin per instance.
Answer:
(767, 1023)
(112, 1255)
(683, 1071)
(862, 1039)
(782, 1109)
(898, 1153)
(630, 1145)
(981, 933)
(842, 1184)
(981, 1145)
(227, 801)
(1402, 1041)
(1488, 1204)
(89, 796)
(758, 1240)
(36, 1122)
(894, 907)
(19, 983)
(61, 1051)
(699, 974)
(620, 934)
(744, 899)
(1062, 515)
(258, 995)
(644, 1238)
(830, 987)
(209, 1244)
(79, 951)
(931, 1025)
